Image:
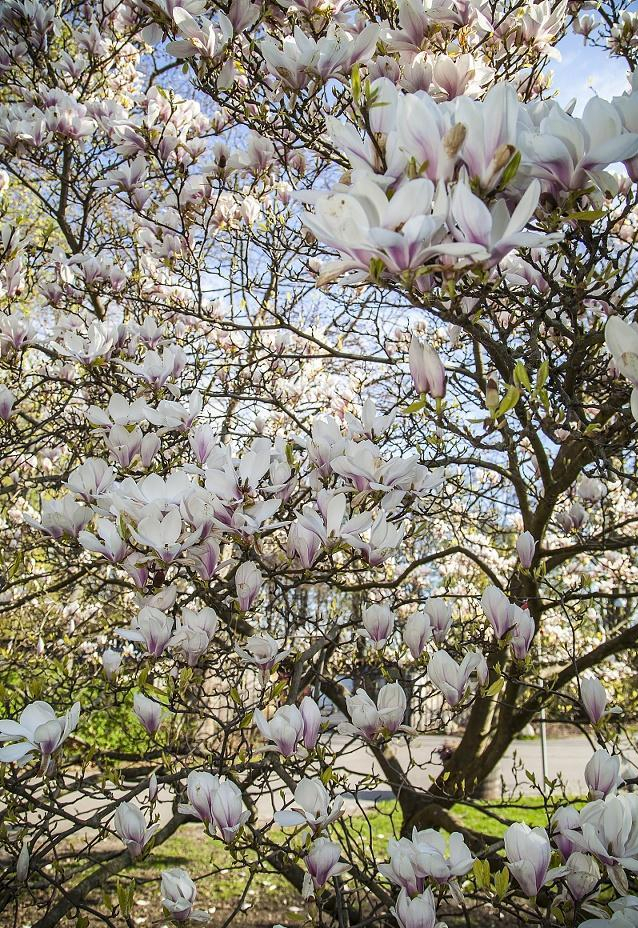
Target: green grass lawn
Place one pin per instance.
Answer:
(222, 881)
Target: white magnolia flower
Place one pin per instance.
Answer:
(39, 731)
(311, 806)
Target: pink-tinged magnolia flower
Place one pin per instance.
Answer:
(311, 806)
(622, 341)
(322, 862)
(283, 732)
(178, 896)
(248, 580)
(370, 719)
(153, 627)
(111, 662)
(440, 618)
(590, 489)
(419, 912)
(162, 534)
(439, 859)
(303, 544)
(264, 651)
(417, 631)
(404, 868)
(200, 789)
(61, 516)
(130, 826)
(602, 774)
(205, 558)
(528, 854)
(453, 679)
(215, 801)
(496, 607)
(575, 517)
(38, 731)
(525, 548)
(91, 479)
(523, 629)
(148, 712)
(378, 622)
(594, 698)
(7, 401)
(194, 632)
(112, 546)
(426, 368)
(228, 809)
(583, 874)
(609, 831)
(311, 717)
(564, 820)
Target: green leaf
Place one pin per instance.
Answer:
(356, 82)
(588, 215)
(521, 377)
(496, 687)
(416, 406)
(502, 882)
(125, 893)
(543, 374)
(511, 169)
(481, 870)
(509, 401)
(278, 688)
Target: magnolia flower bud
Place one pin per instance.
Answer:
(178, 895)
(148, 712)
(426, 368)
(594, 698)
(418, 912)
(602, 774)
(583, 875)
(391, 703)
(492, 398)
(311, 717)
(153, 787)
(228, 809)
(322, 861)
(525, 547)
(248, 580)
(22, 864)
(528, 853)
(417, 632)
(378, 624)
(7, 400)
(523, 629)
(496, 607)
(111, 662)
(564, 820)
(130, 826)
(440, 618)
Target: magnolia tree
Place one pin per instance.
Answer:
(318, 436)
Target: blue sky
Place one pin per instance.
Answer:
(585, 71)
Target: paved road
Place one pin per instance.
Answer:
(566, 757)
